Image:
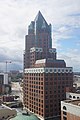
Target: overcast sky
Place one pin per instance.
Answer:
(16, 15)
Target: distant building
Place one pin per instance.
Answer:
(76, 78)
(4, 83)
(14, 73)
(8, 98)
(70, 110)
(45, 76)
(3, 78)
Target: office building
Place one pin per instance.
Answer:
(45, 76)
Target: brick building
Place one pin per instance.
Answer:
(45, 76)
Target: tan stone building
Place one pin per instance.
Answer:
(70, 110)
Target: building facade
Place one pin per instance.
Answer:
(70, 110)
(45, 76)
(4, 83)
(72, 96)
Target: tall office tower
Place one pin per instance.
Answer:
(38, 40)
(45, 76)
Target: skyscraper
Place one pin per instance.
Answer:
(45, 76)
(39, 37)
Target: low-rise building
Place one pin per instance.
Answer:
(70, 110)
(4, 83)
(72, 96)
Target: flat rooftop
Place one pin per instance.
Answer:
(4, 107)
(74, 102)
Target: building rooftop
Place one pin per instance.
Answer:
(4, 107)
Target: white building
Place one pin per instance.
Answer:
(72, 96)
(70, 110)
(4, 78)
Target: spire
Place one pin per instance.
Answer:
(39, 16)
(40, 22)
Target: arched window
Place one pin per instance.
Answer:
(77, 97)
(74, 97)
(64, 108)
(70, 96)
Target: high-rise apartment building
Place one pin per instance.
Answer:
(45, 76)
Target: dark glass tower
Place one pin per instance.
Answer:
(40, 28)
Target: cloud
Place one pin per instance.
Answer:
(16, 15)
(78, 43)
(72, 58)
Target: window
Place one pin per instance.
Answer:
(59, 73)
(8, 116)
(64, 108)
(64, 113)
(74, 97)
(46, 70)
(2, 117)
(54, 70)
(70, 96)
(46, 83)
(58, 70)
(59, 78)
(64, 118)
(50, 70)
(77, 97)
(46, 97)
(55, 78)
